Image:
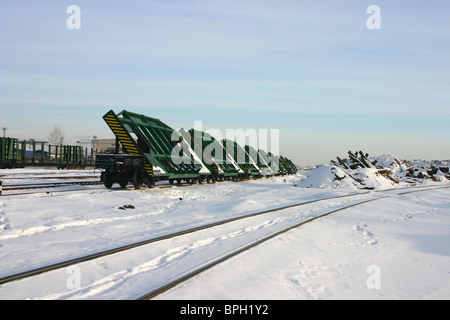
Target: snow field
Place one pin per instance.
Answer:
(402, 240)
(405, 237)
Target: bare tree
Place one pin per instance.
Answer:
(56, 136)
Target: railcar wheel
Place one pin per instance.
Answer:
(150, 182)
(138, 179)
(108, 181)
(123, 184)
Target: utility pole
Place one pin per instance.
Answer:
(4, 131)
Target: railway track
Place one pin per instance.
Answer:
(70, 262)
(154, 293)
(50, 187)
(45, 185)
(218, 259)
(16, 190)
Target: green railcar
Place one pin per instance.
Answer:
(242, 158)
(152, 151)
(262, 160)
(165, 154)
(213, 155)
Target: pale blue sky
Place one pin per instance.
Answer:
(309, 68)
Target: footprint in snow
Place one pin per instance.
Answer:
(368, 235)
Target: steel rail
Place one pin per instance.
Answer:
(35, 177)
(47, 185)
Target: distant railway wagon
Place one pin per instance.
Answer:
(152, 151)
(262, 160)
(290, 167)
(242, 158)
(213, 154)
(272, 161)
(15, 153)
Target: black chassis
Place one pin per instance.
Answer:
(121, 169)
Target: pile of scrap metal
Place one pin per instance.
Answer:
(361, 160)
(434, 170)
(353, 162)
(396, 170)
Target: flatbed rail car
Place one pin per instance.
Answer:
(15, 154)
(164, 153)
(214, 156)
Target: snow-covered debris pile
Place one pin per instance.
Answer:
(359, 171)
(371, 178)
(328, 177)
(354, 161)
(398, 171)
(325, 177)
(414, 171)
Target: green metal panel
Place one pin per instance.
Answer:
(212, 153)
(241, 157)
(271, 160)
(261, 160)
(10, 148)
(3, 149)
(293, 166)
(286, 165)
(276, 160)
(42, 152)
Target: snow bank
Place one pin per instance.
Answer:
(388, 173)
(325, 177)
(414, 171)
(372, 179)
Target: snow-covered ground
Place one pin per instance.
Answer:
(397, 248)
(393, 248)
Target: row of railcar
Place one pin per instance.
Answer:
(14, 153)
(152, 151)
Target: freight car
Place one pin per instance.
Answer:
(152, 151)
(214, 156)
